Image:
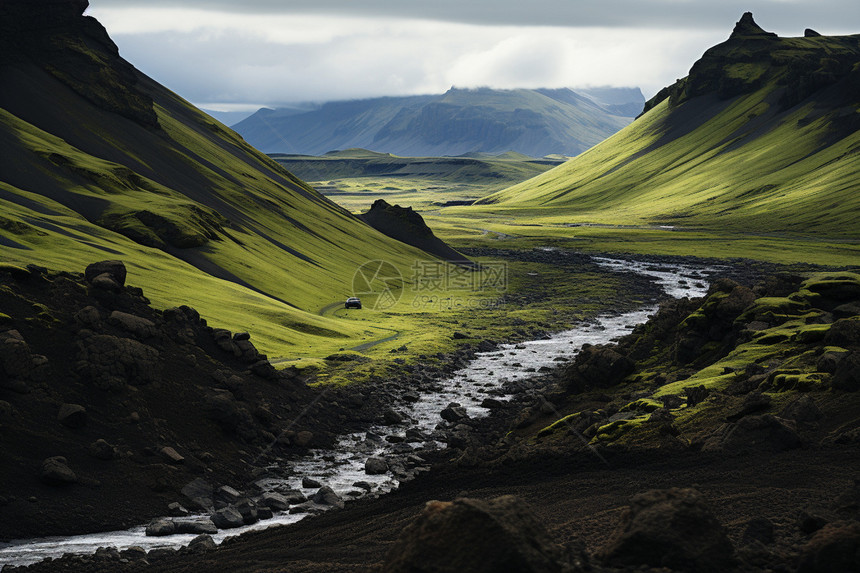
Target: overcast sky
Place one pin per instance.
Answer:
(243, 54)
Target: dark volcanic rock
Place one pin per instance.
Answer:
(670, 528)
(834, 548)
(55, 471)
(597, 367)
(112, 362)
(102, 450)
(72, 416)
(375, 466)
(407, 226)
(228, 518)
(847, 374)
(476, 536)
(115, 269)
(766, 433)
(746, 26)
(160, 527)
(327, 496)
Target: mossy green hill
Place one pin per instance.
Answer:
(762, 137)
(100, 162)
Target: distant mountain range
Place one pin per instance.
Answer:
(532, 122)
(762, 135)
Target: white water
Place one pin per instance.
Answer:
(341, 467)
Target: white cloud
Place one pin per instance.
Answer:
(284, 52)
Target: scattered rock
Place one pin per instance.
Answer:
(846, 377)
(55, 471)
(201, 544)
(101, 450)
(199, 491)
(160, 527)
(133, 553)
(141, 328)
(303, 439)
(226, 495)
(160, 554)
(834, 548)
(114, 269)
(72, 416)
(454, 413)
(392, 417)
(476, 536)
(227, 518)
(327, 496)
(88, 316)
(308, 482)
(671, 528)
(696, 394)
(175, 509)
(171, 455)
(753, 403)
(248, 510)
(755, 433)
(196, 525)
(107, 554)
(274, 501)
(804, 410)
(597, 367)
(375, 466)
(106, 282)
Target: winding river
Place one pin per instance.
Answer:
(343, 466)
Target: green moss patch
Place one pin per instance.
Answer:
(615, 430)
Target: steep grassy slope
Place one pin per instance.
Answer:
(762, 137)
(101, 162)
(533, 122)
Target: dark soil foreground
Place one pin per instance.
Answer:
(577, 498)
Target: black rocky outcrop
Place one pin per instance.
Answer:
(75, 49)
(108, 403)
(407, 226)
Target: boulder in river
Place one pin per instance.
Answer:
(227, 518)
(375, 466)
(160, 527)
(327, 496)
(275, 501)
(310, 483)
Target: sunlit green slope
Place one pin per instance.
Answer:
(98, 161)
(762, 137)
